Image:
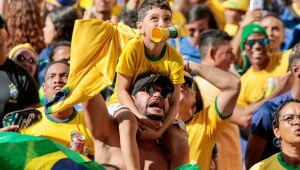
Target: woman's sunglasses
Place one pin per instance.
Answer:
(21, 58)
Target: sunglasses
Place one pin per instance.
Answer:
(290, 118)
(262, 42)
(188, 82)
(151, 89)
(21, 58)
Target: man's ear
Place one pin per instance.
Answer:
(43, 88)
(212, 53)
(295, 68)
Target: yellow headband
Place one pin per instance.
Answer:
(21, 46)
(54, 2)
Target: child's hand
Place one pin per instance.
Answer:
(147, 133)
(150, 123)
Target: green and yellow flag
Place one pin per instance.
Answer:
(18, 151)
(95, 50)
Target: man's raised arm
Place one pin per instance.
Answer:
(228, 83)
(97, 117)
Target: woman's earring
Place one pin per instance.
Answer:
(276, 142)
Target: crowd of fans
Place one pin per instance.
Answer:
(224, 95)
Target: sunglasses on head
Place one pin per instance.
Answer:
(151, 89)
(21, 58)
(188, 81)
(262, 42)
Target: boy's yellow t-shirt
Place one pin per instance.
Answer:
(133, 63)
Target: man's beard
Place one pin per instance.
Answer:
(154, 117)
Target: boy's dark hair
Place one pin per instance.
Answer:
(295, 55)
(150, 4)
(275, 118)
(212, 37)
(57, 46)
(129, 17)
(55, 62)
(201, 12)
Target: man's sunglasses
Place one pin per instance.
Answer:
(21, 58)
(151, 89)
(262, 42)
(188, 82)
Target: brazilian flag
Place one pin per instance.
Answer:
(18, 151)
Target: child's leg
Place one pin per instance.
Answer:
(128, 130)
(175, 140)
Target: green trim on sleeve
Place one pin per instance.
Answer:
(218, 111)
(285, 164)
(188, 167)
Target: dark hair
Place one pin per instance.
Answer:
(212, 37)
(25, 24)
(63, 19)
(275, 118)
(201, 12)
(56, 62)
(3, 23)
(150, 4)
(294, 55)
(56, 46)
(199, 102)
(129, 17)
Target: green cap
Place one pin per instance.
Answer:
(188, 167)
(250, 29)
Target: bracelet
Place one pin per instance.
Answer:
(188, 66)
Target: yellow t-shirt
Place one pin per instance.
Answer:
(273, 162)
(254, 83)
(228, 142)
(134, 63)
(61, 132)
(203, 130)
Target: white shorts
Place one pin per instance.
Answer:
(113, 108)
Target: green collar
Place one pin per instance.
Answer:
(74, 113)
(161, 55)
(285, 164)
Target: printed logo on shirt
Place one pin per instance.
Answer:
(13, 93)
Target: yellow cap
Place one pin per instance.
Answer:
(21, 46)
(241, 5)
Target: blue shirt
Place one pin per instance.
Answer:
(292, 28)
(43, 63)
(186, 49)
(262, 122)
